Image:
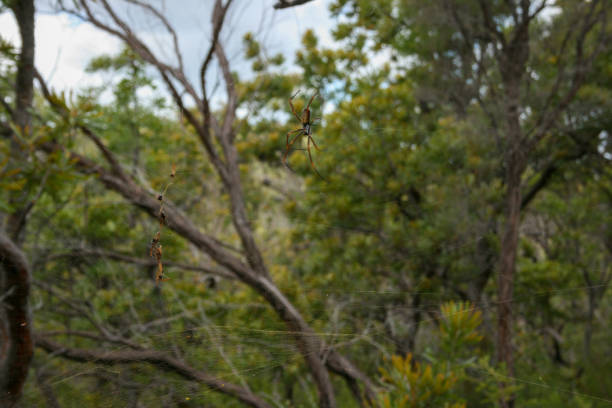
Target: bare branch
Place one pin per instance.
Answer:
(232, 97)
(165, 71)
(240, 218)
(282, 4)
(140, 48)
(218, 18)
(153, 357)
(560, 74)
(166, 24)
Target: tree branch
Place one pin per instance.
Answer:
(582, 65)
(218, 18)
(16, 351)
(490, 24)
(175, 219)
(165, 71)
(164, 20)
(282, 4)
(155, 358)
(22, 117)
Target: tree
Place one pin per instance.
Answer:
(15, 274)
(482, 55)
(270, 278)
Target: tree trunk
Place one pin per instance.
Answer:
(515, 165)
(507, 266)
(24, 91)
(16, 341)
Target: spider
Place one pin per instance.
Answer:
(305, 130)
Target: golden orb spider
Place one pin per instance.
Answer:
(305, 130)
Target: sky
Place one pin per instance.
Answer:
(65, 45)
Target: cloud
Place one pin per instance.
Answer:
(64, 47)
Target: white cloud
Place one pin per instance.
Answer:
(9, 29)
(63, 48)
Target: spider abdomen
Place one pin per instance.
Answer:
(306, 118)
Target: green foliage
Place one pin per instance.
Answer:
(451, 367)
(394, 252)
(416, 386)
(458, 326)
(254, 52)
(7, 50)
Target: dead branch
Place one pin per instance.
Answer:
(155, 358)
(169, 28)
(282, 4)
(218, 18)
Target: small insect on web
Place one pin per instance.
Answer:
(156, 246)
(305, 130)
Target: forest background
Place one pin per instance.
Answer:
(449, 245)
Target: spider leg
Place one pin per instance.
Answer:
(299, 132)
(293, 131)
(314, 143)
(310, 157)
(293, 107)
(311, 99)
